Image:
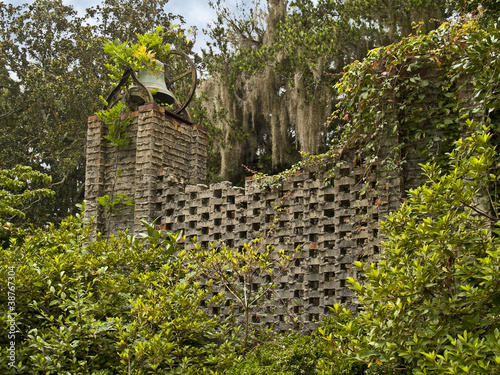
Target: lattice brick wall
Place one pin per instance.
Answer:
(333, 224)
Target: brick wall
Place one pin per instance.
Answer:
(332, 224)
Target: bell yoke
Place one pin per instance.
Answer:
(172, 86)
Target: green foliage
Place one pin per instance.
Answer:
(135, 56)
(117, 123)
(431, 303)
(283, 355)
(18, 186)
(295, 354)
(415, 92)
(481, 63)
(120, 305)
(491, 8)
(324, 161)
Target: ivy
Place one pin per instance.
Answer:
(410, 99)
(414, 94)
(323, 161)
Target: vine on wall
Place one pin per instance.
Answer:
(413, 97)
(418, 92)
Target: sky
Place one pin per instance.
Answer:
(196, 12)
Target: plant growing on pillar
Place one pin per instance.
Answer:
(117, 124)
(117, 136)
(136, 56)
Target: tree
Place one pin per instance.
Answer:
(17, 188)
(49, 99)
(52, 72)
(490, 7)
(122, 20)
(237, 272)
(272, 71)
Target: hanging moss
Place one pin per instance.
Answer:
(278, 73)
(259, 111)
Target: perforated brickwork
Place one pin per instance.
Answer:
(332, 224)
(332, 220)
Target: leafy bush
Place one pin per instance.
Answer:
(283, 354)
(296, 354)
(119, 305)
(432, 302)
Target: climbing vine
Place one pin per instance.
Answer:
(117, 137)
(412, 98)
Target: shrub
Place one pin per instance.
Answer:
(432, 302)
(283, 354)
(119, 305)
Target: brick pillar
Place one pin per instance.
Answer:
(149, 162)
(94, 173)
(162, 144)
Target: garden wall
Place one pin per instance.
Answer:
(333, 221)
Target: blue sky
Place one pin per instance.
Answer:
(196, 12)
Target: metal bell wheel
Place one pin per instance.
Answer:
(173, 88)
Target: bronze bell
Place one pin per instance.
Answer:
(154, 81)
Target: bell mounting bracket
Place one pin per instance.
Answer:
(180, 79)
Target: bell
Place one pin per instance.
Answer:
(154, 81)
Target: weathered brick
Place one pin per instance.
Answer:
(164, 168)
